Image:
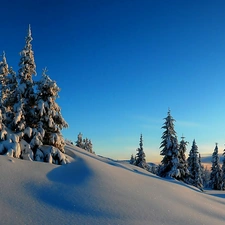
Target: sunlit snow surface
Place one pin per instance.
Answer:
(96, 190)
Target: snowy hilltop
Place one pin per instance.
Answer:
(30, 118)
(95, 190)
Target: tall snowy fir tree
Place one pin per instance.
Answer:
(216, 172)
(24, 109)
(170, 150)
(183, 167)
(140, 156)
(195, 176)
(49, 118)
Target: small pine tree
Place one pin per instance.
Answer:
(85, 144)
(206, 177)
(195, 175)
(216, 172)
(183, 167)
(132, 160)
(140, 156)
(170, 150)
(79, 142)
(90, 146)
(223, 171)
(201, 169)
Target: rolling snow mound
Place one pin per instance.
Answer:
(96, 190)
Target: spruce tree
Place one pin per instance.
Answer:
(132, 160)
(4, 71)
(202, 170)
(140, 156)
(48, 113)
(25, 116)
(170, 150)
(216, 172)
(8, 85)
(79, 142)
(223, 171)
(195, 175)
(183, 167)
(86, 144)
(90, 146)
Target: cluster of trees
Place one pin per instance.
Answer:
(191, 171)
(85, 144)
(175, 164)
(30, 119)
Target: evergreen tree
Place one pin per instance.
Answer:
(170, 150)
(195, 176)
(26, 97)
(79, 142)
(4, 71)
(183, 167)
(216, 172)
(201, 169)
(48, 113)
(140, 156)
(8, 84)
(90, 146)
(206, 177)
(223, 171)
(132, 160)
(86, 144)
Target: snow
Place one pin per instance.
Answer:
(96, 190)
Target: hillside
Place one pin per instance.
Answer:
(96, 190)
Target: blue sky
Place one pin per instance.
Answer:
(121, 64)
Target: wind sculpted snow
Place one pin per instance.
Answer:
(97, 190)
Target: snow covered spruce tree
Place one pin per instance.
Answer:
(205, 175)
(132, 160)
(24, 109)
(194, 167)
(8, 85)
(79, 142)
(48, 114)
(4, 71)
(182, 166)
(170, 150)
(223, 171)
(216, 180)
(140, 156)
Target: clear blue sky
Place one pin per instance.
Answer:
(121, 64)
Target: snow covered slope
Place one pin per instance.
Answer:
(96, 190)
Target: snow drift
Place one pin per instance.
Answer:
(96, 190)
